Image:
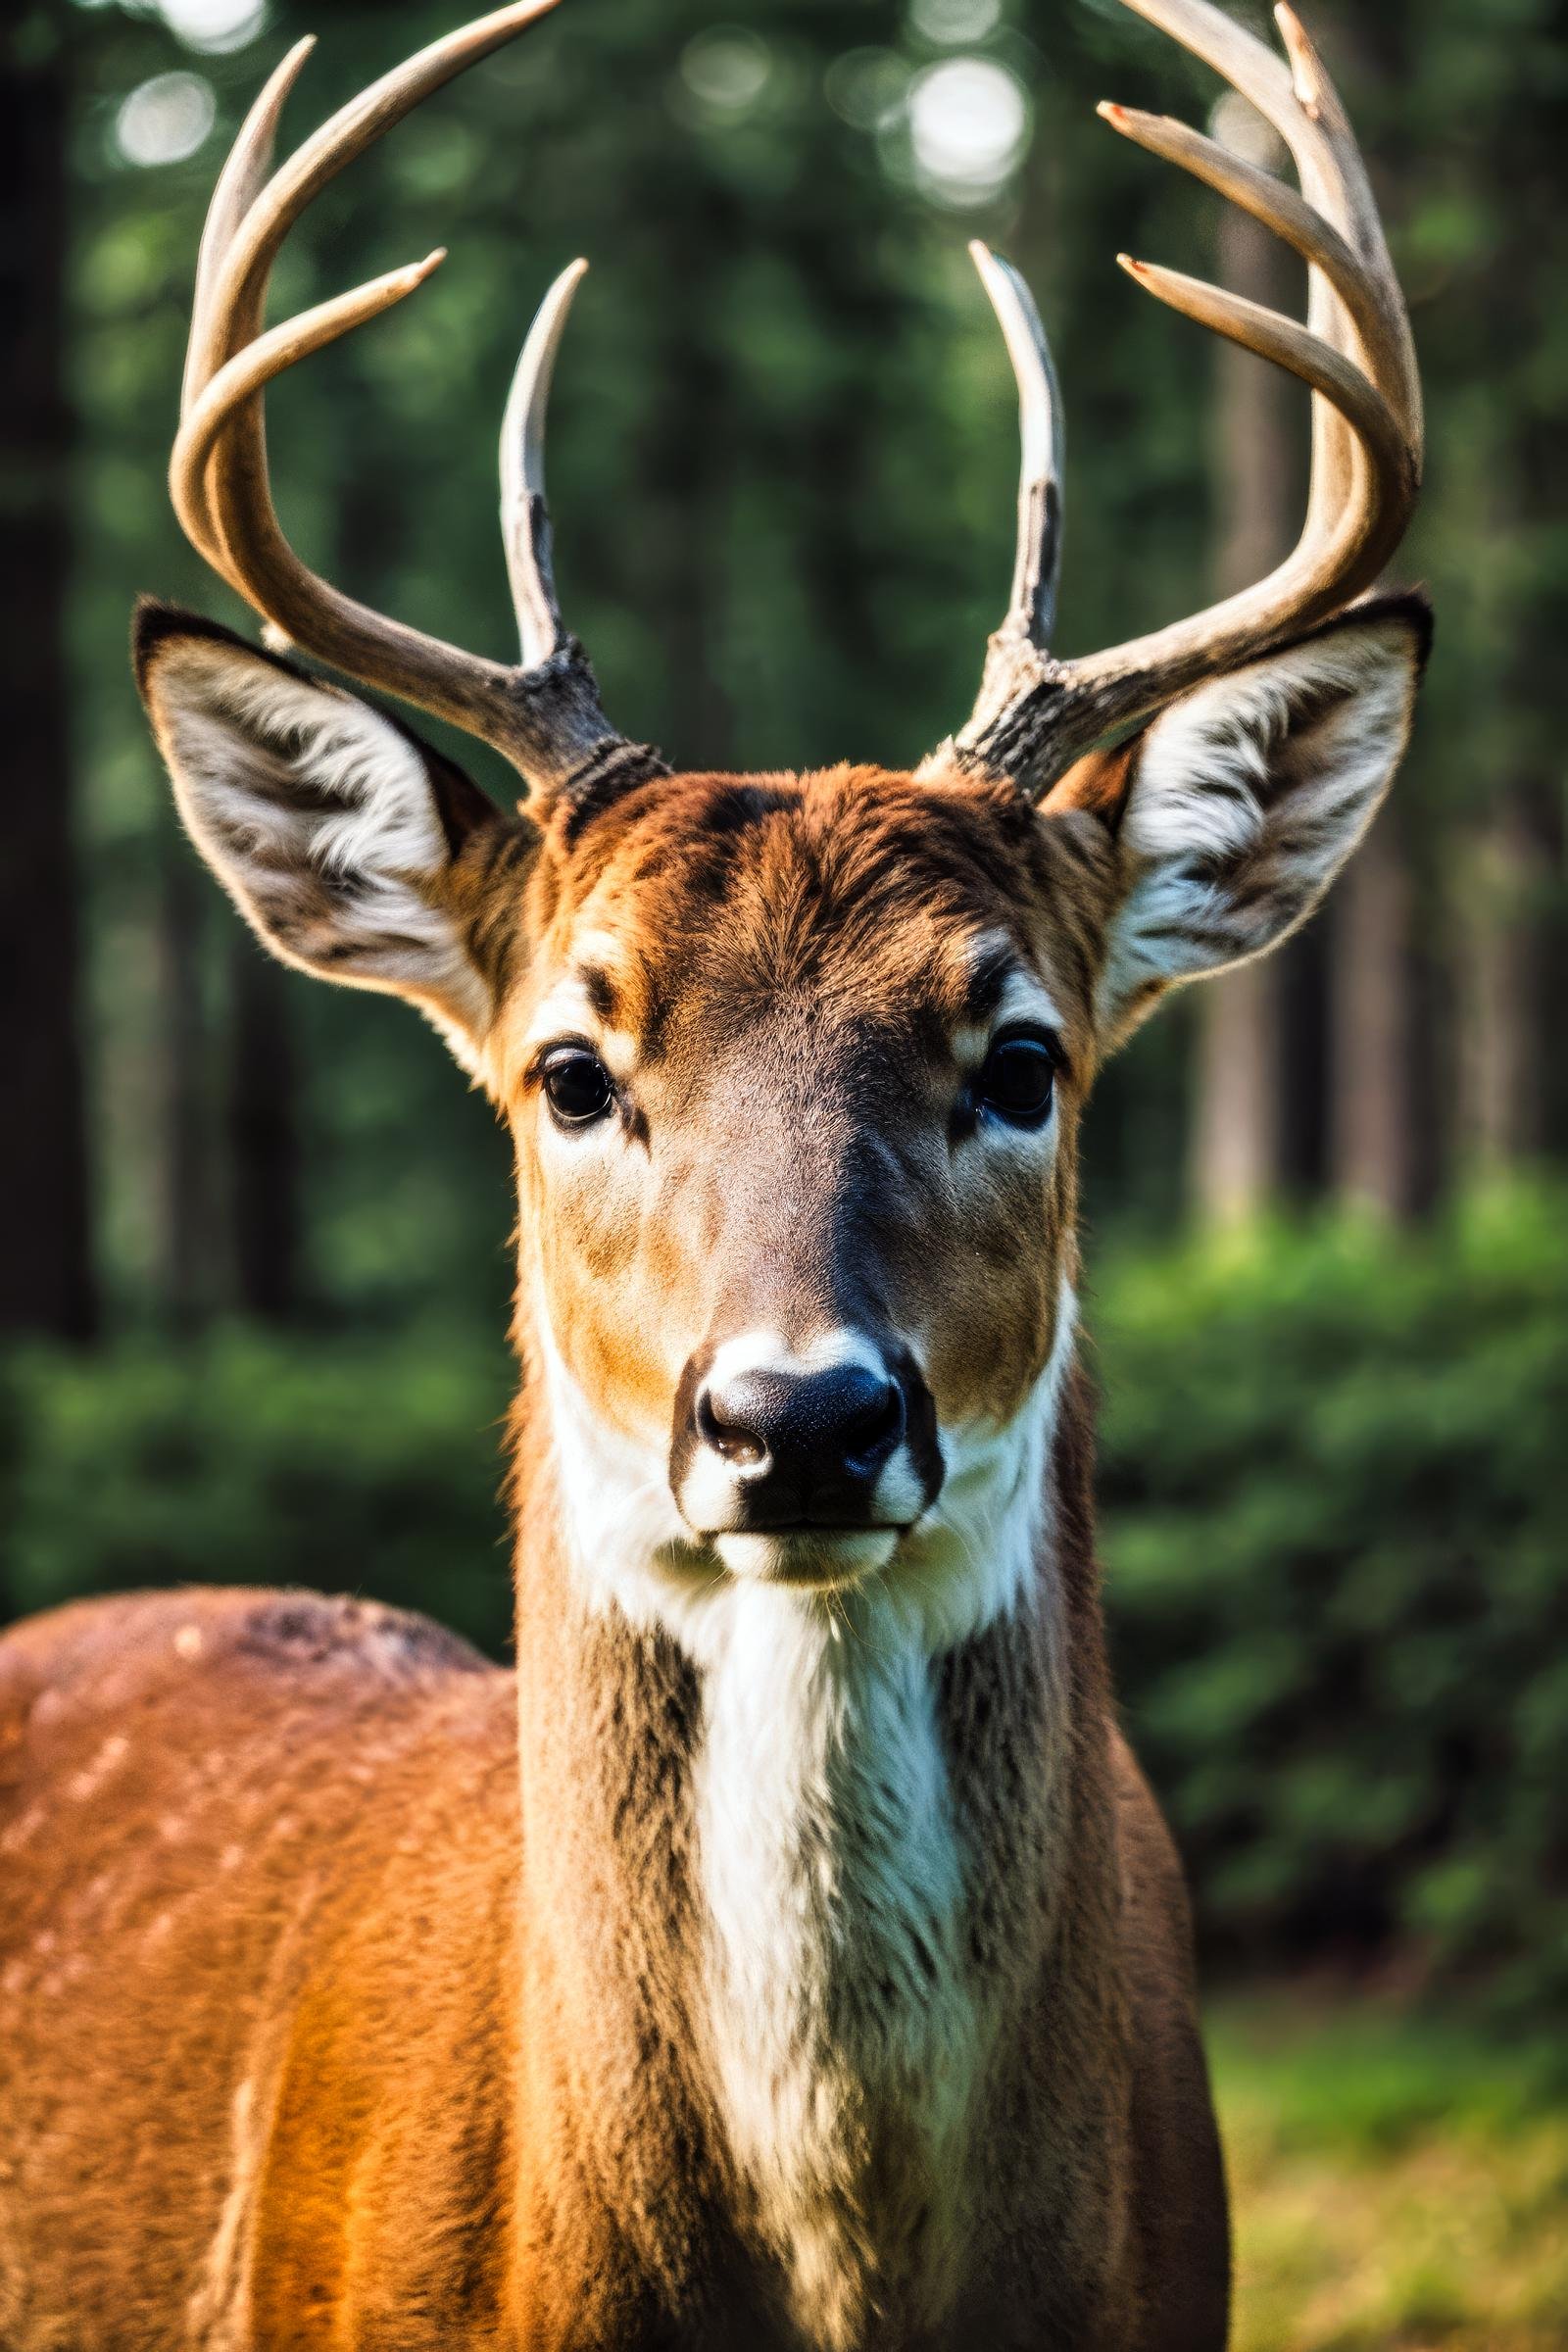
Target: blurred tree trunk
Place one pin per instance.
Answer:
(1375, 1130)
(185, 1253)
(264, 1136)
(1303, 1076)
(1504, 1058)
(1511, 965)
(1237, 1142)
(46, 1272)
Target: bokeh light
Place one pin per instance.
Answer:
(165, 119)
(868, 87)
(726, 71)
(968, 127)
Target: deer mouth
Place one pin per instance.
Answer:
(806, 1557)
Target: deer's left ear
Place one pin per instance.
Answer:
(1242, 800)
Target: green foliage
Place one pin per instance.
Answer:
(344, 1466)
(1335, 1491)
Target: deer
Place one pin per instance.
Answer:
(786, 1952)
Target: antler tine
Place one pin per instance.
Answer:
(1300, 102)
(1334, 179)
(524, 514)
(1341, 556)
(1036, 567)
(241, 378)
(1364, 476)
(239, 280)
(1035, 713)
(547, 719)
(238, 186)
(1278, 208)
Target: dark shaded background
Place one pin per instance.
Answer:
(253, 1241)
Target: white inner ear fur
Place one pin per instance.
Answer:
(1249, 795)
(320, 819)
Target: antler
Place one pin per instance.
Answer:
(545, 717)
(1035, 713)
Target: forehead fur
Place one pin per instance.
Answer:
(854, 885)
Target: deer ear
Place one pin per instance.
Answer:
(1245, 798)
(338, 833)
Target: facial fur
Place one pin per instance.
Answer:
(792, 984)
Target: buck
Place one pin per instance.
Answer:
(788, 1953)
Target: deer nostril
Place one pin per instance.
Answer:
(745, 1448)
(874, 1427)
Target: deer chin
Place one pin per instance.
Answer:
(808, 1559)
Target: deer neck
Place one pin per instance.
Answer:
(815, 1848)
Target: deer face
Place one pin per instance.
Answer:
(793, 1068)
(794, 1073)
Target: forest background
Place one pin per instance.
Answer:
(253, 1237)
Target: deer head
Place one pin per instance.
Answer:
(794, 1065)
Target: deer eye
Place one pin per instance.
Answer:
(1017, 1079)
(577, 1086)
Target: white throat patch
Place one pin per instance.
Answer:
(845, 2039)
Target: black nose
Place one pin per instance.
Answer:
(805, 1445)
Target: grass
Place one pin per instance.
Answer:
(1400, 2183)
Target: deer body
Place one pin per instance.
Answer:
(363, 2051)
(789, 1954)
